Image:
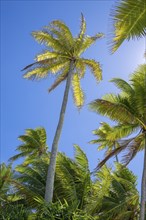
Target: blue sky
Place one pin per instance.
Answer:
(26, 104)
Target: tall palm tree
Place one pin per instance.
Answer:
(128, 108)
(129, 21)
(33, 145)
(63, 56)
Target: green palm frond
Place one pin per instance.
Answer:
(77, 91)
(65, 186)
(81, 159)
(33, 144)
(122, 197)
(129, 21)
(95, 68)
(112, 110)
(123, 85)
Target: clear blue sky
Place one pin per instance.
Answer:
(27, 104)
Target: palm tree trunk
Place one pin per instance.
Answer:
(143, 188)
(51, 169)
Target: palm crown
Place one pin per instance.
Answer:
(33, 145)
(62, 48)
(129, 110)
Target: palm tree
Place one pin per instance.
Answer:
(129, 21)
(115, 195)
(75, 186)
(72, 179)
(63, 56)
(33, 145)
(128, 108)
(107, 138)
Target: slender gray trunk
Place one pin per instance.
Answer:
(143, 188)
(51, 169)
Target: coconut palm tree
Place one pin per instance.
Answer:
(107, 138)
(72, 179)
(33, 145)
(62, 56)
(128, 108)
(129, 21)
(115, 195)
(75, 186)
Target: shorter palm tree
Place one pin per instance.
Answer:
(33, 145)
(129, 109)
(107, 138)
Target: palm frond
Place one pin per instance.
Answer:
(95, 68)
(42, 72)
(43, 37)
(133, 147)
(122, 147)
(116, 111)
(60, 78)
(77, 91)
(81, 159)
(46, 55)
(129, 21)
(80, 68)
(123, 85)
(88, 41)
(63, 31)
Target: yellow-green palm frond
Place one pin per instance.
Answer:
(95, 68)
(87, 42)
(80, 38)
(77, 91)
(46, 55)
(43, 71)
(36, 74)
(82, 28)
(60, 78)
(43, 37)
(63, 31)
(129, 21)
(80, 68)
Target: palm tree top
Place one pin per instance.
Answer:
(62, 49)
(128, 108)
(33, 145)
